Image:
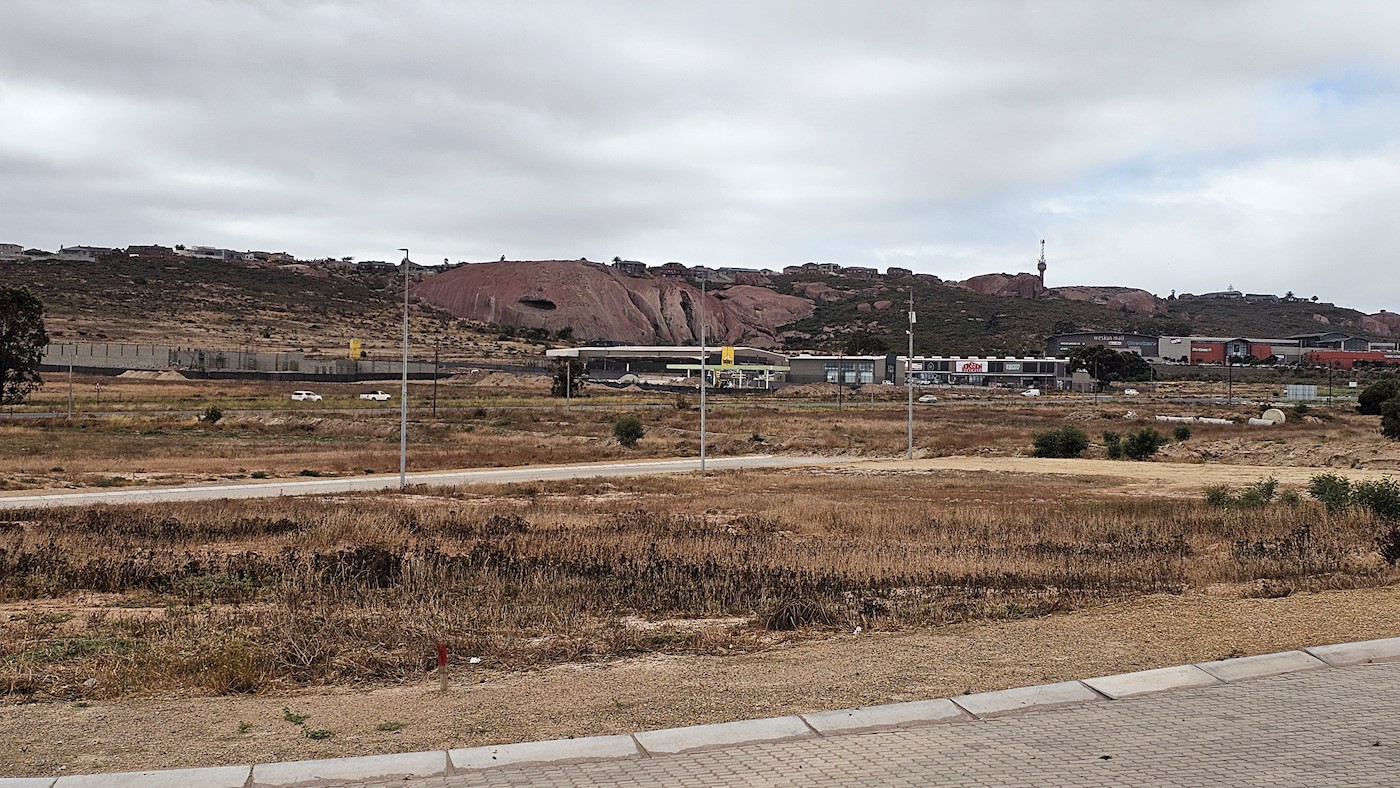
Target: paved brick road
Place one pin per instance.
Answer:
(1328, 727)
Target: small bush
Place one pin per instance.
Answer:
(1382, 497)
(628, 430)
(1219, 495)
(211, 415)
(1290, 498)
(682, 402)
(1390, 418)
(1265, 488)
(1302, 409)
(258, 474)
(1182, 433)
(1113, 444)
(1332, 490)
(1143, 444)
(1062, 443)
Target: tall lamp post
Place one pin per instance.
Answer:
(909, 372)
(403, 392)
(703, 353)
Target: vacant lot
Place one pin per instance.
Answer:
(602, 606)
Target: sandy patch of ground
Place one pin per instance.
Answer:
(1134, 478)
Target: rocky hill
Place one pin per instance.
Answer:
(471, 311)
(597, 302)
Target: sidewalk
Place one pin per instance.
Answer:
(1325, 716)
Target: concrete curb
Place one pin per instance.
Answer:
(990, 704)
(1343, 654)
(671, 741)
(674, 741)
(215, 777)
(1241, 668)
(366, 767)
(878, 718)
(591, 748)
(1144, 682)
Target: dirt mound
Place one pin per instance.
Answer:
(151, 374)
(502, 380)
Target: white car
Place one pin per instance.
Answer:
(1031, 393)
(306, 396)
(1130, 392)
(377, 396)
(928, 398)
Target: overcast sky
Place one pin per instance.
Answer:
(1162, 145)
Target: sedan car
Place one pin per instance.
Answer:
(306, 396)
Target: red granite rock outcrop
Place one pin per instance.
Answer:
(600, 303)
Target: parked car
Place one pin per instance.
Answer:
(377, 396)
(928, 398)
(1130, 392)
(306, 396)
(1031, 393)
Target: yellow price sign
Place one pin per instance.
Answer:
(726, 357)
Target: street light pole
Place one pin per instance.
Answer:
(909, 372)
(703, 353)
(403, 392)
(437, 345)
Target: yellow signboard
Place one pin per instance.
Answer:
(726, 357)
(354, 349)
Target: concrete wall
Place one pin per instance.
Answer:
(116, 357)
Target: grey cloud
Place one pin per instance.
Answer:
(946, 136)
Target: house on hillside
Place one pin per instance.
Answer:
(1261, 298)
(82, 252)
(630, 267)
(151, 252)
(208, 253)
(860, 272)
(11, 252)
(702, 274)
(671, 271)
(893, 272)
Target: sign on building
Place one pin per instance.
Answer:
(354, 349)
(726, 357)
(970, 367)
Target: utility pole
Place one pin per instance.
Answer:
(403, 392)
(909, 372)
(70, 383)
(437, 344)
(703, 354)
(568, 382)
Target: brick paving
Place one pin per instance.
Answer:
(1326, 727)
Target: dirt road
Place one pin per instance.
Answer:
(1133, 478)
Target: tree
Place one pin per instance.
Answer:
(22, 341)
(1390, 418)
(569, 373)
(866, 345)
(1369, 401)
(628, 430)
(1108, 364)
(1062, 443)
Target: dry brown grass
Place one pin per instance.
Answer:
(248, 596)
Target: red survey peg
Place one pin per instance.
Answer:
(442, 655)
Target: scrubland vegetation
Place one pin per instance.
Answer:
(261, 595)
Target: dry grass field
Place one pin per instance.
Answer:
(630, 603)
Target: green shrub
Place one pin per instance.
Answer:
(1143, 444)
(1381, 496)
(1113, 444)
(1332, 490)
(1369, 401)
(1290, 498)
(1390, 418)
(1062, 443)
(211, 415)
(1219, 495)
(1182, 433)
(258, 474)
(628, 430)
